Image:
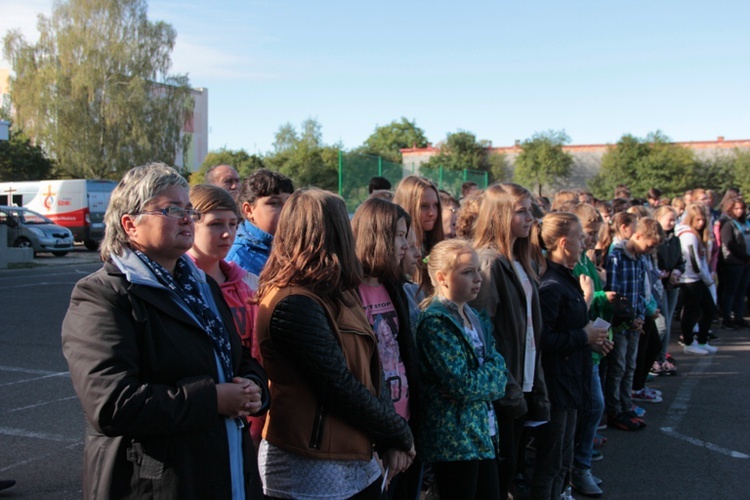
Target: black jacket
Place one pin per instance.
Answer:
(145, 372)
(669, 257)
(566, 354)
(733, 247)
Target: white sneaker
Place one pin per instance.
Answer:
(709, 348)
(694, 348)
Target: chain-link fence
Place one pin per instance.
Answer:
(356, 170)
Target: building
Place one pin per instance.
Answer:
(587, 158)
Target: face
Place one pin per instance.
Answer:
(428, 209)
(265, 212)
(462, 283)
(606, 217)
(163, 239)
(572, 246)
(591, 235)
(520, 224)
(214, 234)
(644, 245)
(450, 215)
(668, 221)
(704, 199)
(413, 254)
(738, 210)
(400, 243)
(226, 177)
(699, 222)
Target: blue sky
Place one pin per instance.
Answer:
(502, 70)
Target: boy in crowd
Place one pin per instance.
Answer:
(626, 275)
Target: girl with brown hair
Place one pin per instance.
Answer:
(329, 408)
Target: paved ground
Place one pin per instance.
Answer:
(696, 444)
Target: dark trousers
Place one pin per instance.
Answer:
(734, 280)
(467, 479)
(510, 431)
(554, 454)
(649, 346)
(697, 307)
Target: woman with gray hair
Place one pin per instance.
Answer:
(155, 359)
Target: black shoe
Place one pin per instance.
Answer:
(712, 336)
(6, 483)
(728, 325)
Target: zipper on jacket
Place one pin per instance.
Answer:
(318, 427)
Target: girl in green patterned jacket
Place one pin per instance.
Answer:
(461, 374)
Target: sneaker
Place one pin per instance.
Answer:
(655, 392)
(596, 455)
(623, 423)
(583, 482)
(668, 368)
(645, 396)
(656, 369)
(599, 441)
(567, 494)
(597, 480)
(671, 359)
(635, 418)
(694, 348)
(707, 347)
(637, 411)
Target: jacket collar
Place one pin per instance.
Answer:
(251, 231)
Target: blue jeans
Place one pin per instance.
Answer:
(669, 304)
(620, 369)
(588, 421)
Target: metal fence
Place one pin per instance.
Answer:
(356, 170)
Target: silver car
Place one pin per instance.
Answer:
(27, 229)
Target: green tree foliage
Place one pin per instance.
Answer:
(461, 150)
(303, 157)
(243, 162)
(95, 92)
(645, 163)
(741, 169)
(388, 140)
(542, 161)
(20, 160)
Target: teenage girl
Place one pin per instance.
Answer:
(672, 265)
(462, 374)
(380, 228)
(419, 197)
(698, 304)
(214, 234)
(409, 262)
(510, 296)
(567, 336)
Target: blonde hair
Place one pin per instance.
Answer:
(467, 216)
(691, 212)
(492, 226)
(563, 197)
(443, 258)
(586, 214)
(555, 226)
(662, 210)
(650, 228)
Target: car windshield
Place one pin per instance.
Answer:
(29, 217)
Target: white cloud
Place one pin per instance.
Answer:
(22, 14)
(203, 62)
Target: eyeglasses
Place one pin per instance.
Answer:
(174, 212)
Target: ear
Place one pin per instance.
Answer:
(247, 210)
(128, 224)
(441, 278)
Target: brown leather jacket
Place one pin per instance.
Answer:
(322, 360)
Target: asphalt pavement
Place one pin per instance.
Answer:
(696, 445)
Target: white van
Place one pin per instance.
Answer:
(78, 204)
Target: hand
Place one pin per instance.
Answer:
(397, 461)
(638, 325)
(595, 334)
(604, 348)
(239, 398)
(587, 285)
(611, 296)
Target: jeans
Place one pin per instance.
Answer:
(588, 421)
(620, 369)
(734, 281)
(554, 454)
(669, 302)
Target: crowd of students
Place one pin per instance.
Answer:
(476, 345)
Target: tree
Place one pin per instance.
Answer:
(244, 163)
(95, 92)
(388, 140)
(645, 163)
(20, 160)
(741, 168)
(303, 157)
(542, 161)
(461, 150)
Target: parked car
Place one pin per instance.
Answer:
(28, 229)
